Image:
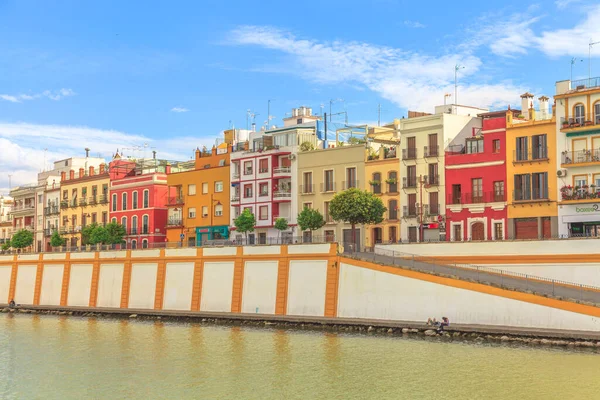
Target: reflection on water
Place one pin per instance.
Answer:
(53, 357)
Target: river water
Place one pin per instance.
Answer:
(51, 357)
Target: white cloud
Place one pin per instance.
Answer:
(409, 79)
(52, 95)
(562, 4)
(179, 109)
(414, 24)
(22, 147)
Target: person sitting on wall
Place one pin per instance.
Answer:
(445, 323)
(433, 322)
(12, 304)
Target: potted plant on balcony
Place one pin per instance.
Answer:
(374, 183)
(565, 124)
(391, 181)
(566, 192)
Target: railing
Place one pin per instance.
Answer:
(51, 210)
(23, 207)
(133, 231)
(392, 187)
(580, 193)
(175, 221)
(409, 182)
(307, 189)
(93, 200)
(73, 203)
(531, 195)
(376, 187)
(235, 198)
(537, 154)
(286, 217)
(257, 240)
(235, 175)
(475, 198)
(580, 156)
(432, 180)
(409, 154)
(175, 201)
(282, 194)
(282, 170)
(64, 204)
(83, 202)
(391, 153)
(392, 214)
(49, 232)
(591, 119)
(431, 151)
(349, 184)
(263, 194)
(585, 83)
(327, 187)
(103, 199)
(408, 212)
(431, 210)
(248, 171)
(263, 170)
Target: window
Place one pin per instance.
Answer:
(134, 200)
(204, 211)
(328, 183)
(499, 191)
(393, 234)
(433, 177)
(351, 178)
(205, 188)
(579, 112)
(411, 148)
(104, 218)
(329, 236)
(392, 182)
(307, 205)
(498, 231)
(134, 225)
(146, 198)
(263, 189)
(434, 206)
(326, 216)
(124, 201)
(263, 165)
(94, 218)
(114, 220)
(192, 212)
(65, 195)
(393, 209)
(474, 146)
(263, 213)
(191, 190)
(539, 149)
(477, 190)
(307, 185)
(432, 150)
(40, 198)
(124, 223)
(247, 167)
(105, 189)
(114, 202)
(218, 186)
(496, 146)
(522, 187)
(521, 149)
(247, 191)
(597, 113)
(411, 176)
(218, 210)
(412, 204)
(145, 224)
(145, 244)
(94, 191)
(134, 244)
(376, 183)
(539, 183)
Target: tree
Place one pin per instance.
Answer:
(306, 146)
(99, 236)
(281, 225)
(22, 239)
(310, 219)
(6, 246)
(245, 222)
(114, 233)
(86, 233)
(356, 206)
(56, 240)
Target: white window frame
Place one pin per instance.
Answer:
(191, 189)
(219, 186)
(192, 212)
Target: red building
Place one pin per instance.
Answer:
(138, 199)
(475, 176)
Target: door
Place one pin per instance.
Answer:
(457, 233)
(377, 236)
(477, 231)
(433, 146)
(349, 246)
(456, 194)
(412, 234)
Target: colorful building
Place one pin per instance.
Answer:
(24, 208)
(531, 169)
(578, 151)
(84, 200)
(138, 199)
(475, 181)
(199, 198)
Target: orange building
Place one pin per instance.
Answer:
(199, 200)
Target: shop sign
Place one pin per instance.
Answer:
(587, 209)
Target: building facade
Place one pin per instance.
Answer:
(531, 169)
(6, 205)
(578, 151)
(424, 139)
(24, 209)
(475, 181)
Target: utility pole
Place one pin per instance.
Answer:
(590, 61)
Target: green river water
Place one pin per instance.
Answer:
(50, 357)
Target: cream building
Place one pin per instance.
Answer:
(424, 139)
(6, 204)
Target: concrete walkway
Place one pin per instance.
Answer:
(522, 284)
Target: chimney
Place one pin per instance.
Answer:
(154, 154)
(168, 168)
(526, 103)
(81, 172)
(214, 150)
(544, 106)
(71, 174)
(63, 176)
(198, 154)
(91, 170)
(87, 152)
(101, 168)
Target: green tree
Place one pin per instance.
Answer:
(56, 240)
(245, 222)
(99, 236)
(6, 246)
(115, 233)
(87, 232)
(355, 206)
(306, 146)
(310, 219)
(281, 225)
(22, 239)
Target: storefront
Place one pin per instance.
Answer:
(579, 220)
(205, 233)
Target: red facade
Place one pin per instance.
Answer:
(475, 179)
(138, 198)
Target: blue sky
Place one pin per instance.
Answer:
(174, 74)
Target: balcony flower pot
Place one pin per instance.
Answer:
(565, 124)
(588, 123)
(391, 181)
(374, 183)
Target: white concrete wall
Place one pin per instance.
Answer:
(259, 292)
(5, 272)
(113, 254)
(25, 284)
(219, 251)
(145, 253)
(306, 288)
(364, 293)
(179, 282)
(55, 256)
(185, 252)
(252, 250)
(309, 248)
(110, 285)
(217, 286)
(82, 256)
(52, 278)
(80, 283)
(142, 289)
(585, 274)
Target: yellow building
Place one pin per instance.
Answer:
(531, 167)
(84, 200)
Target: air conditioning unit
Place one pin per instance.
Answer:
(292, 157)
(561, 173)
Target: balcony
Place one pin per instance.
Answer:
(282, 195)
(431, 151)
(50, 231)
(585, 83)
(534, 195)
(264, 193)
(476, 198)
(328, 187)
(409, 182)
(51, 210)
(173, 222)
(409, 154)
(73, 203)
(583, 194)
(409, 212)
(235, 175)
(581, 123)
(307, 189)
(432, 180)
(83, 202)
(235, 198)
(282, 171)
(21, 209)
(64, 204)
(573, 158)
(93, 200)
(349, 184)
(175, 201)
(537, 154)
(431, 210)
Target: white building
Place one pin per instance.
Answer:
(6, 204)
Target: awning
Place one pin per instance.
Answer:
(583, 133)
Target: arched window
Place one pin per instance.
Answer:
(133, 244)
(114, 220)
(146, 198)
(134, 225)
(145, 244)
(579, 114)
(134, 200)
(597, 113)
(376, 183)
(393, 209)
(392, 182)
(145, 222)
(124, 223)
(124, 201)
(114, 202)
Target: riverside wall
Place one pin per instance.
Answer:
(309, 280)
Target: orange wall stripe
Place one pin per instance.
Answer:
(38, 280)
(331, 288)
(13, 280)
(519, 259)
(197, 285)
(95, 279)
(161, 274)
(64, 294)
(126, 281)
(238, 281)
(476, 287)
(283, 273)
